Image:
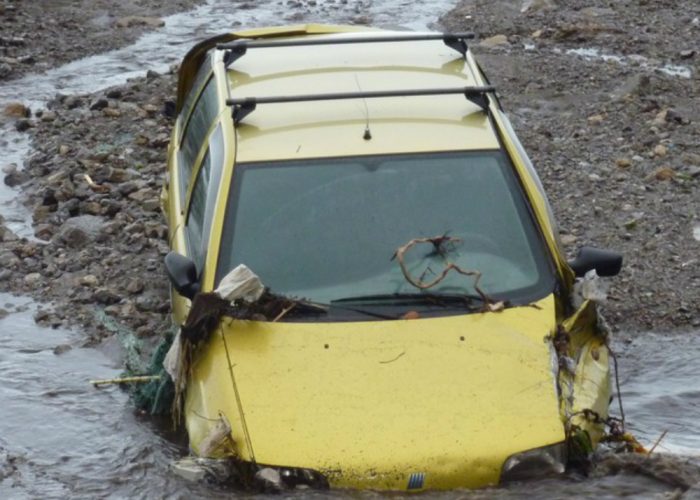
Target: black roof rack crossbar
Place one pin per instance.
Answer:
(238, 48)
(243, 106)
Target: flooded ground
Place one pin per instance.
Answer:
(60, 437)
(63, 438)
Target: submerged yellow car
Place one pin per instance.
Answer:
(425, 334)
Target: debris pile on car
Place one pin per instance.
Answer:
(240, 295)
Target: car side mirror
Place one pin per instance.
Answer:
(182, 273)
(605, 262)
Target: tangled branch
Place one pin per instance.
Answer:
(439, 247)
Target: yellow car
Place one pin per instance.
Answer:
(425, 335)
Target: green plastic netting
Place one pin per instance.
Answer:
(156, 396)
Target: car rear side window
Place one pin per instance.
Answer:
(195, 218)
(203, 115)
(203, 75)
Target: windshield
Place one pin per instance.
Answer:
(327, 229)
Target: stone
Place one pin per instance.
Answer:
(269, 480)
(155, 229)
(150, 109)
(89, 280)
(114, 93)
(637, 84)
(148, 302)
(686, 54)
(78, 231)
(8, 260)
(660, 150)
(91, 207)
(41, 315)
(106, 296)
(595, 119)
(660, 118)
(142, 194)
(61, 348)
(537, 5)
(16, 177)
(73, 102)
(151, 205)
(111, 112)
(23, 125)
(44, 231)
(623, 162)
(16, 110)
(664, 174)
(118, 175)
(135, 286)
(128, 187)
(99, 104)
(48, 116)
(594, 12)
(32, 279)
(131, 21)
(673, 116)
(568, 239)
(494, 41)
(691, 158)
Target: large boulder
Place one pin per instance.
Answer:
(77, 232)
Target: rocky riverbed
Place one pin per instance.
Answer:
(38, 35)
(604, 97)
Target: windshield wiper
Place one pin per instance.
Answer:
(320, 308)
(439, 299)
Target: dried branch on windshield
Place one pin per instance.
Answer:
(440, 247)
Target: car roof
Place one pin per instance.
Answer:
(327, 128)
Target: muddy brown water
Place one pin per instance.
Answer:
(60, 437)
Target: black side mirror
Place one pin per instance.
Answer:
(605, 262)
(182, 273)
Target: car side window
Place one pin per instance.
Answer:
(201, 119)
(195, 218)
(201, 78)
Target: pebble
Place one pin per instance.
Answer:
(112, 112)
(568, 239)
(89, 280)
(23, 125)
(660, 150)
(664, 174)
(61, 349)
(16, 110)
(99, 104)
(131, 21)
(32, 279)
(495, 41)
